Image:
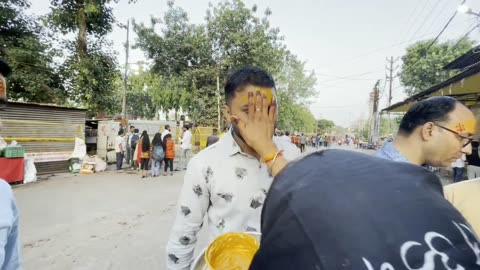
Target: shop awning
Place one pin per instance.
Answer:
(464, 86)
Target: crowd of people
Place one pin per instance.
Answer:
(384, 211)
(147, 155)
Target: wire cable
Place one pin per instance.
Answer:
(464, 37)
(427, 17)
(435, 40)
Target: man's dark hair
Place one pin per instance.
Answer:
(434, 109)
(187, 127)
(120, 132)
(132, 127)
(136, 130)
(287, 133)
(167, 126)
(242, 77)
(215, 130)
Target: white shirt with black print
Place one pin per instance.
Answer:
(226, 185)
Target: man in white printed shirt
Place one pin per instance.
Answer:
(228, 181)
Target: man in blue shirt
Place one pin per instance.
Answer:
(435, 131)
(9, 241)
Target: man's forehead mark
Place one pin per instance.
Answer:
(268, 92)
(466, 126)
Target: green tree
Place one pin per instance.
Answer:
(240, 38)
(90, 67)
(295, 90)
(181, 55)
(187, 58)
(140, 102)
(423, 68)
(389, 125)
(325, 126)
(26, 46)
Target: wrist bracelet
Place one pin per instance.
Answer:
(269, 157)
(272, 157)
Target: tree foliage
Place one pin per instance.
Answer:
(325, 126)
(241, 38)
(24, 45)
(187, 58)
(90, 68)
(428, 69)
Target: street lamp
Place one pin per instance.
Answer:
(467, 10)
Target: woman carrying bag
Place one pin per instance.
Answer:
(144, 150)
(169, 147)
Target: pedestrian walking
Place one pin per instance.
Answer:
(144, 153)
(158, 154)
(473, 160)
(286, 137)
(186, 147)
(169, 148)
(213, 138)
(166, 131)
(228, 183)
(128, 148)
(119, 149)
(303, 142)
(133, 146)
(457, 168)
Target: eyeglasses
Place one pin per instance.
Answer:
(465, 140)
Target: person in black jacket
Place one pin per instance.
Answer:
(378, 214)
(473, 168)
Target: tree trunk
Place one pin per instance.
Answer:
(82, 29)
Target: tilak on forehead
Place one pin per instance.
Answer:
(466, 126)
(263, 91)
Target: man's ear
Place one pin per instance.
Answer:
(427, 131)
(227, 113)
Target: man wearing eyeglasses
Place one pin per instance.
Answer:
(436, 131)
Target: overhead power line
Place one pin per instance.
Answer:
(436, 38)
(464, 36)
(426, 18)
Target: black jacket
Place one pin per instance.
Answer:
(344, 210)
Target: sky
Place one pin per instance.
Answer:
(345, 42)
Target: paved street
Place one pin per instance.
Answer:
(103, 221)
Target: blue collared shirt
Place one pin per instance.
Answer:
(388, 151)
(9, 241)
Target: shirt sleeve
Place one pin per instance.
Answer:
(9, 241)
(191, 209)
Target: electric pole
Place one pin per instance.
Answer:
(125, 79)
(374, 125)
(218, 97)
(390, 76)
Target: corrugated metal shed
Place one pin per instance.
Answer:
(47, 132)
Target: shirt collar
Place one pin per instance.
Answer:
(389, 151)
(229, 144)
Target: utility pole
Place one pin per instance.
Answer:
(218, 96)
(389, 78)
(374, 125)
(125, 79)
